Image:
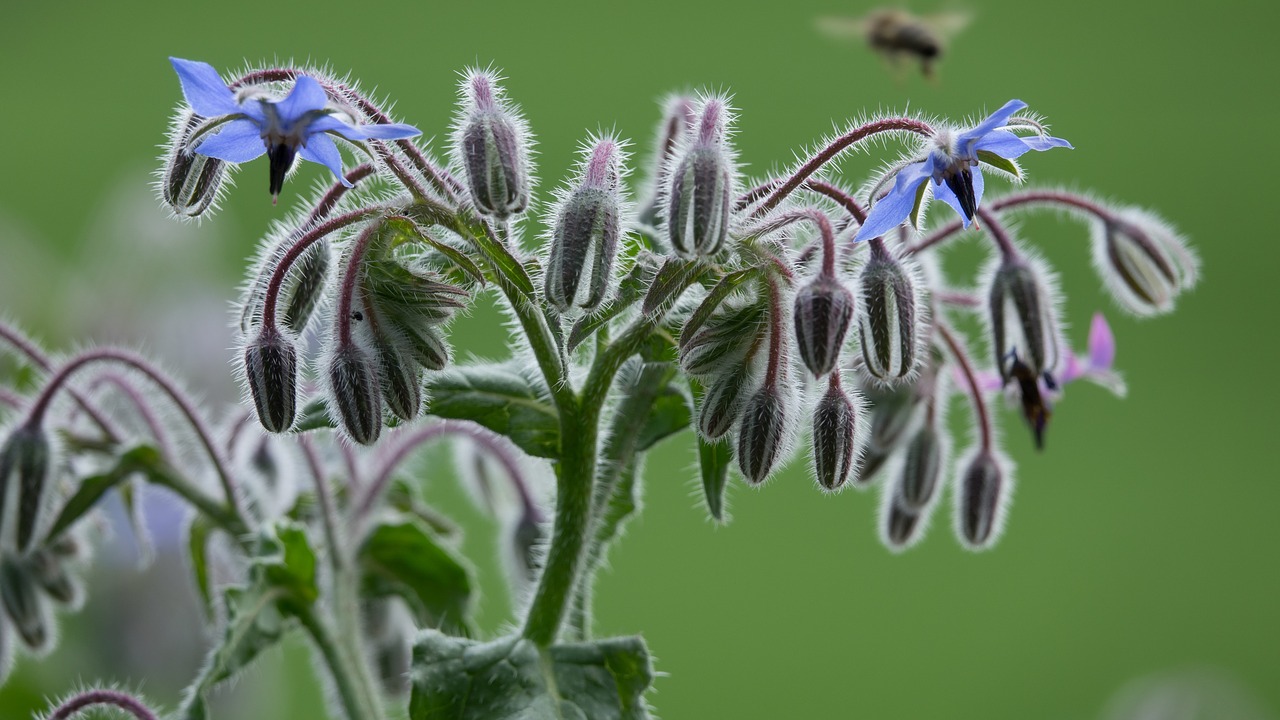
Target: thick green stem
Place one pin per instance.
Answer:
(358, 697)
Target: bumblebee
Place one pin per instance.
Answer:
(898, 35)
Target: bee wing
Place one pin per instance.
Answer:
(947, 24)
(843, 27)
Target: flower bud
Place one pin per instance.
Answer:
(761, 434)
(584, 238)
(1022, 324)
(901, 526)
(191, 182)
(887, 316)
(823, 309)
(679, 119)
(723, 402)
(426, 345)
(527, 544)
(980, 502)
(306, 285)
(354, 393)
(492, 147)
(835, 451)
(726, 340)
(23, 605)
(700, 194)
(401, 380)
(920, 471)
(1143, 262)
(24, 469)
(47, 569)
(271, 372)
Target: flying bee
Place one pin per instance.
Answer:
(1035, 407)
(897, 34)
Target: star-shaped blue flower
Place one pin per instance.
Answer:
(299, 124)
(952, 165)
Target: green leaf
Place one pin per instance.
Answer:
(501, 398)
(402, 558)
(718, 294)
(198, 551)
(675, 275)
(140, 459)
(499, 257)
(254, 623)
(714, 459)
(1000, 163)
(510, 679)
(314, 416)
(289, 565)
(668, 415)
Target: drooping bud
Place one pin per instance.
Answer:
(191, 182)
(305, 286)
(427, 346)
(980, 501)
(24, 469)
(835, 425)
(888, 315)
(23, 605)
(701, 186)
(726, 340)
(920, 471)
(354, 392)
(401, 380)
(492, 146)
(527, 542)
(271, 372)
(48, 570)
(901, 526)
(1022, 323)
(761, 434)
(584, 238)
(722, 402)
(823, 309)
(1144, 263)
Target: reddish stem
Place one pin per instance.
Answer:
(975, 394)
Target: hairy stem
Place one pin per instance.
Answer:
(975, 393)
(75, 704)
(350, 678)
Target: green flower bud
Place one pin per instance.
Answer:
(355, 393)
(823, 309)
(271, 372)
(761, 434)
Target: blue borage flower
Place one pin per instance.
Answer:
(952, 164)
(250, 127)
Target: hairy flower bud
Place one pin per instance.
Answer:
(980, 501)
(24, 469)
(887, 316)
(901, 526)
(700, 187)
(1022, 324)
(48, 570)
(679, 118)
(823, 309)
(401, 380)
(354, 392)
(723, 402)
(761, 434)
(191, 182)
(306, 285)
(584, 238)
(726, 340)
(271, 372)
(426, 345)
(835, 451)
(23, 605)
(1143, 262)
(920, 471)
(492, 147)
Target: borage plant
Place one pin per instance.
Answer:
(687, 300)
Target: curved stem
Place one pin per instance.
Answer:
(777, 313)
(357, 695)
(825, 230)
(89, 698)
(1050, 198)
(328, 513)
(140, 404)
(307, 239)
(33, 355)
(492, 443)
(998, 233)
(975, 393)
(35, 416)
(347, 283)
(833, 149)
(818, 187)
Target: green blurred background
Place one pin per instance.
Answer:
(1143, 541)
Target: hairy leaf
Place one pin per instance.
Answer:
(500, 398)
(402, 558)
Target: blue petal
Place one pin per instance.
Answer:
(995, 120)
(238, 141)
(1007, 145)
(204, 89)
(942, 192)
(306, 96)
(893, 209)
(320, 149)
(979, 184)
(395, 131)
